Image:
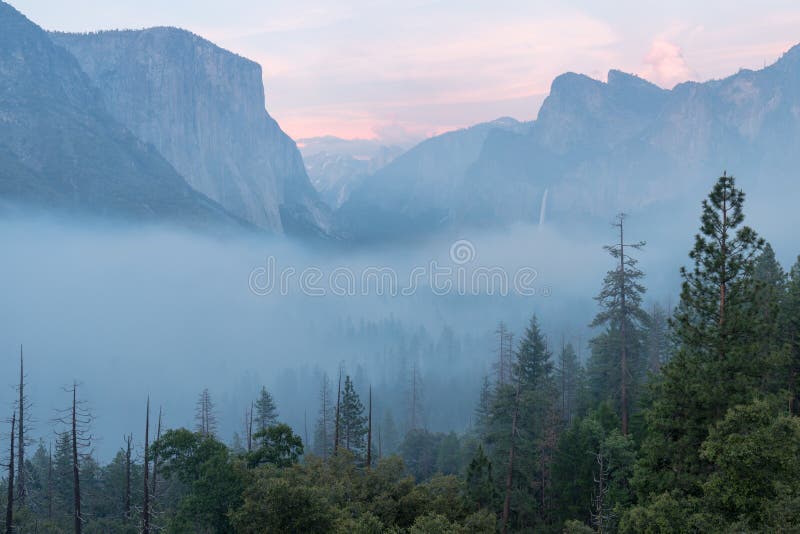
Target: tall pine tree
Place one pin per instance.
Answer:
(718, 361)
(618, 356)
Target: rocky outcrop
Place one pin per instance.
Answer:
(202, 108)
(61, 149)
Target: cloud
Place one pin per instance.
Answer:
(665, 64)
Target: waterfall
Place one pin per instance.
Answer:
(543, 209)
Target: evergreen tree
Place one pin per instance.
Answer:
(718, 362)
(659, 346)
(568, 380)
(266, 411)
(790, 334)
(483, 411)
(480, 487)
(205, 418)
(323, 431)
(618, 361)
(352, 422)
(533, 397)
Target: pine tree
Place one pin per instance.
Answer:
(718, 362)
(617, 362)
(323, 432)
(205, 419)
(480, 486)
(790, 334)
(352, 421)
(483, 411)
(519, 431)
(568, 381)
(266, 412)
(659, 346)
(504, 354)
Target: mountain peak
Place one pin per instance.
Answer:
(572, 82)
(790, 59)
(625, 80)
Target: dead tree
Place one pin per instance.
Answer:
(600, 513)
(22, 405)
(510, 471)
(369, 431)
(77, 418)
(128, 441)
(146, 498)
(76, 474)
(50, 483)
(338, 406)
(249, 416)
(10, 503)
(154, 495)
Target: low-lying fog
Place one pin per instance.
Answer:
(127, 313)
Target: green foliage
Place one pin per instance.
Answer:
(576, 468)
(755, 451)
(572, 526)
(214, 481)
(273, 504)
(352, 421)
(266, 412)
(276, 445)
(433, 524)
(480, 487)
(719, 361)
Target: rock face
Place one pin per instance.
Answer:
(596, 148)
(416, 193)
(202, 108)
(60, 148)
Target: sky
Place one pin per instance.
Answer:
(403, 71)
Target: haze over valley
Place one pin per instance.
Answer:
(164, 237)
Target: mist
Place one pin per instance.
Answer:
(131, 312)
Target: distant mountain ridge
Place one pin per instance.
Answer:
(414, 193)
(155, 124)
(202, 107)
(60, 148)
(595, 148)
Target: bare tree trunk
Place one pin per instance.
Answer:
(50, 484)
(146, 499)
(10, 503)
(155, 457)
(369, 431)
(21, 488)
(76, 475)
(338, 401)
(510, 472)
(250, 429)
(128, 440)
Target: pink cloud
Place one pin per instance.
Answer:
(665, 64)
